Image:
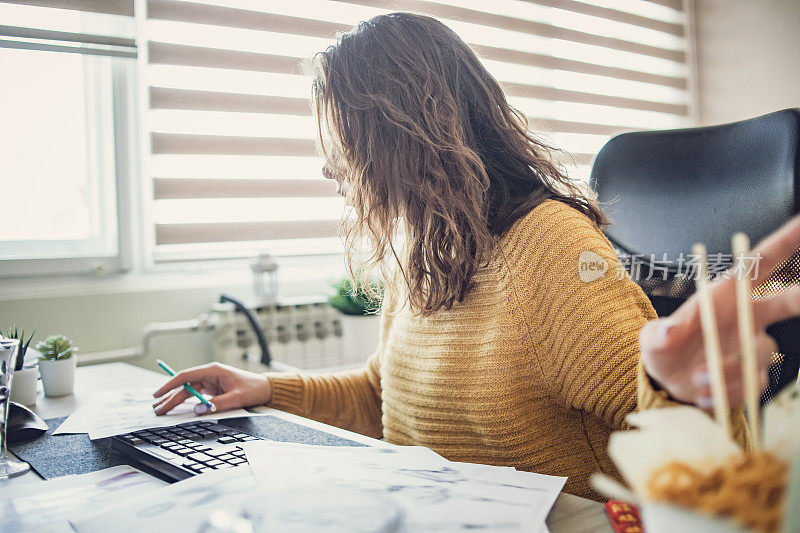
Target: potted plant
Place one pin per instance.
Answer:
(57, 365)
(23, 384)
(359, 305)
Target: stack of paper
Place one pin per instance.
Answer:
(299, 488)
(431, 493)
(184, 506)
(116, 412)
(48, 506)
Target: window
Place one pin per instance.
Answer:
(228, 165)
(59, 138)
(61, 205)
(232, 159)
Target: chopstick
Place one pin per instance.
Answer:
(711, 340)
(747, 339)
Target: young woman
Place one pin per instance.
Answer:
(492, 349)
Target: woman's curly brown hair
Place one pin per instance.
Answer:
(425, 144)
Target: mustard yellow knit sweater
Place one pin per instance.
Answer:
(533, 369)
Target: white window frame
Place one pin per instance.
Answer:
(118, 160)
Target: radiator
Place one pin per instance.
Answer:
(304, 333)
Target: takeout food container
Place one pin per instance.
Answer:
(689, 436)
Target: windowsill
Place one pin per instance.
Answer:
(296, 276)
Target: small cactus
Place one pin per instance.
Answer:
(56, 348)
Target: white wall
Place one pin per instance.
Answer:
(748, 57)
(109, 314)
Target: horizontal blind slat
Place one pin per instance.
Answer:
(613, 14)
(541, 29)
(677, 5)
(191, 188)
(567, 126)
(244, 231)
(545, 61)
(168, 98)
(198, 56)
(176, 143)
(550, 93)
(574, 158)
(109, 7)
(241, 18)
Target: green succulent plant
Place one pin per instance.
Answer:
(56, 348)
(23, 345)
(361, 299)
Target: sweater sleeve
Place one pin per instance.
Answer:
(583, 312)
(348, 399)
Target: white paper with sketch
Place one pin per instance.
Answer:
(220, 499)
(48, 506)
(121, 411)
(403, 489)
(182, 506)
(433, 493)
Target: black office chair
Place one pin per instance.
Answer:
(666, 190)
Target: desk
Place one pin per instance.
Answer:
(570, 513)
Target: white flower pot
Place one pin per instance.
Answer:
(58, 376)
(359, 337)
(23, 386)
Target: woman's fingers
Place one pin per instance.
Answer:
(172, 402)
(223, 402)
(776, 248)
(734, 375)
(776, 308)
(198, 373)
(766, 347)
(197, 386)
(663, 339)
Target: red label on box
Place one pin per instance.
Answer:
(624, 517)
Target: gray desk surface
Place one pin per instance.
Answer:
(570, 513)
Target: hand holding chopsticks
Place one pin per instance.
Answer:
(673, 348)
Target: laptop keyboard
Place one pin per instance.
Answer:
(196, 447)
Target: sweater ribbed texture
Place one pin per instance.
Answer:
(533, 369)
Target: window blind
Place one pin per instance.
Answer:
(230, 132)
(89, 27)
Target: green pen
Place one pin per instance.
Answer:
(166, 368)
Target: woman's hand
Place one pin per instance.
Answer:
(672, 348)
(230, 388)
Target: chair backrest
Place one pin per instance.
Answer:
(666, 190)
